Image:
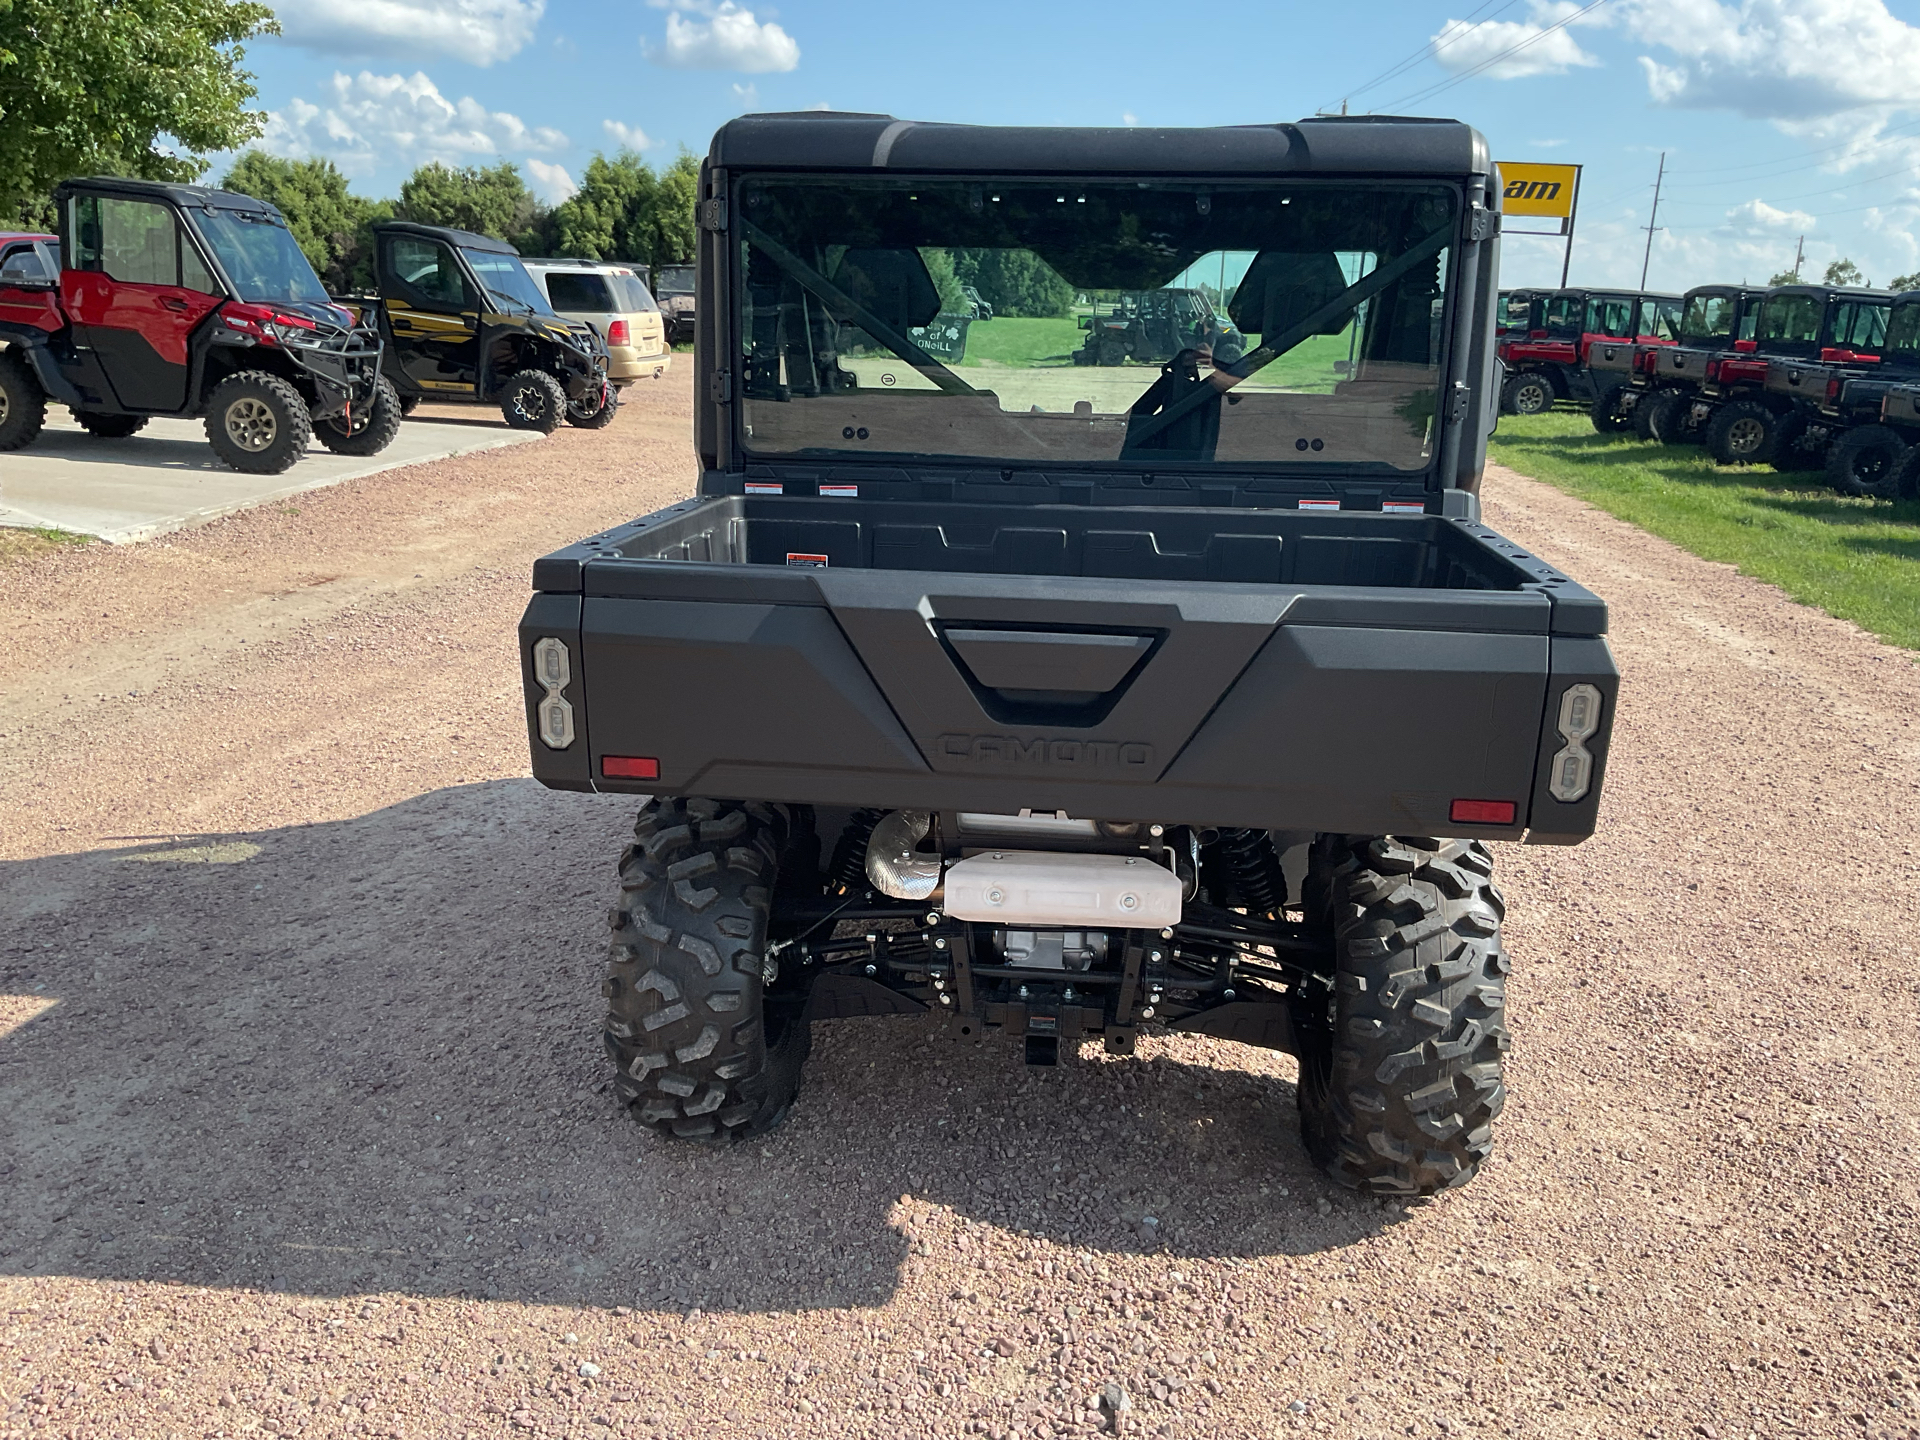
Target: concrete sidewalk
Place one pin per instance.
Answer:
(166, 478)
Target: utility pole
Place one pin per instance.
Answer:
(1647, 259)
(1799, 253)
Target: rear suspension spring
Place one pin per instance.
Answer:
(1253, 865)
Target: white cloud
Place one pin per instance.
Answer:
(371, 121)
(551, 183)
(1546, 144)
(726, 37)
(1782, 60)
(1758, 217)
(477, 31)
(748, 94)
(632, 137)
(1129, 119)
(1511, 49)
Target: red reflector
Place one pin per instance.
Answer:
(641, 767)
(1481, 812)
(617, 333)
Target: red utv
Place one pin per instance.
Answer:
(1806, 336)
(180, 301)
(1549, 363)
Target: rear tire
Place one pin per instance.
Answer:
(1527, 393)
(1660, 417)
(1742, 433)
(1867, 461)
(1401, 1042)
(409, 404)
(109, 427)
(23, 403)
(1907, 481)
(374, 425)
(258, 423)
(1791, 454)
(702, 1051)
(1609, 413)
(600, 416)
(533, 400)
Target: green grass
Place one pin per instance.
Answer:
(1858, 559)
(1008, 340)
(1027, 344)
(22, 543)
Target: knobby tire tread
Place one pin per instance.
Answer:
(1401, 1052)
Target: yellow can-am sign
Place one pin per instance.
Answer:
(1544, 190)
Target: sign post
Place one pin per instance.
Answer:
(1546, 192)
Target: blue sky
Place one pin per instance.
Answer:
(1778, 117)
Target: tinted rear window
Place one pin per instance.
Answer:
(634, 295)
(580, 290)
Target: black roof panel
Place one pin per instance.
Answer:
(1343, 145)
(192, 196)
(464, 238)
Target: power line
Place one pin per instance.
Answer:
(1497, 57)
(1432, 48)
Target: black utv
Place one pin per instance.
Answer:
(1710, 363)
(1806, 335)
(1081, 704)
(464, 321)
(180, 301)
(1868, 403)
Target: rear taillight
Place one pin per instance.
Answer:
(617, 333)
(1833, 389)
(1482, 812)
(1713, 371)
(553, 669)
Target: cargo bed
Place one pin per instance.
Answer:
(1300, 670)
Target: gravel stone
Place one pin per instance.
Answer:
(299, 991)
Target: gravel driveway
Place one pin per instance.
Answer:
(304, 1128)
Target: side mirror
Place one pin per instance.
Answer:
(22, 279)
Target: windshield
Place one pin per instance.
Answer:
(1516, 309)
(1565, 311)
(1137, 322)
(1903, 331)
(507, 278)
(1790, 322)
(1859, 324)
(1708, 317)
(675, 280)
(260, 256)
(1611, 315)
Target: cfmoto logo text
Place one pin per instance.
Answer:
(1110, 755)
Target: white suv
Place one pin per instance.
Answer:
(615, 301)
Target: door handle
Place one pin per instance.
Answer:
(174, 303)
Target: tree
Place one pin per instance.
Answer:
(492, 202)
(624, 211)
(1905, 282)
(92, 86)
(332, 224)
(1785, 277)
(1014, 282)
(1844, 272)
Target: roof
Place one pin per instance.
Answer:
(10, 237)
(1847, 292)
(577, 262)
(1332, 144)
(466, 239)
(200, 197)
(1618, 290)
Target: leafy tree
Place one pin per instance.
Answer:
(1905, 282)
(940, 266)
(486, 201)
(1844, 272)
(1014, 282)
(331, 223)
(625, 211)
(1785, 277)
(92, 86)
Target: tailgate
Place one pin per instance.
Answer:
(1324, 708)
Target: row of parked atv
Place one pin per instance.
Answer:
(1800, 377)
(161, 300)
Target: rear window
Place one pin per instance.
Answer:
(634, 295)
(580, 290)
(675, 280)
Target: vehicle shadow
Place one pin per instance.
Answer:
(363, 1056)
